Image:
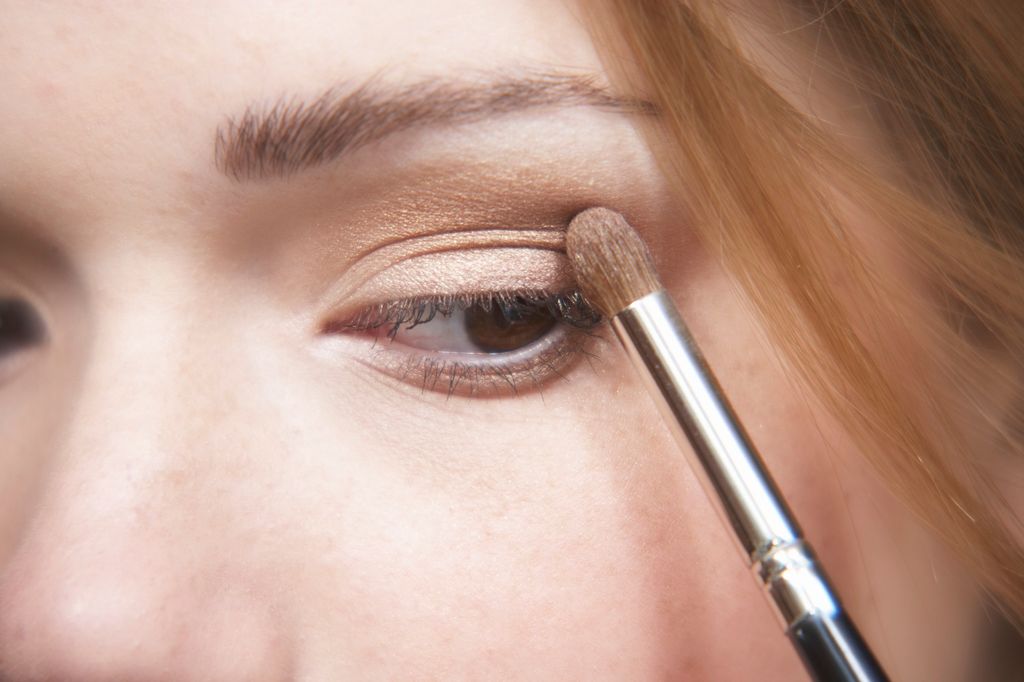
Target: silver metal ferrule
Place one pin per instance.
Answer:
(732, 472)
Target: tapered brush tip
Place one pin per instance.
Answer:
(613, 266)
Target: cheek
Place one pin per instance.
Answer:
(561, 532)
(390, 531)
(565, 532)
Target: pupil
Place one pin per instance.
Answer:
(20, 326)
(493, 332)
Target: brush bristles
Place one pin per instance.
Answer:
(613, 266)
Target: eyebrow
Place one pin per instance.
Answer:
(292, 135)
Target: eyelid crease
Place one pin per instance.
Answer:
(389, 255)
(540, 234)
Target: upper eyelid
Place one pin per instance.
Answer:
(538, 237)
(387, 255)
(463, 272)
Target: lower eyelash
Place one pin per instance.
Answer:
(490, 377)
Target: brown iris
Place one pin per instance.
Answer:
(496, 330)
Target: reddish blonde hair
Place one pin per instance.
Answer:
(942, 80)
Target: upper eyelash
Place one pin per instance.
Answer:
(569, 307)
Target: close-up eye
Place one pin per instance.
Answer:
(606, 340)
(21, 328)
(479, 343)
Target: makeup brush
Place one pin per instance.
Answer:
(616, 274)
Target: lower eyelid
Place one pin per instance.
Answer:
(485, 374)
(557, 335)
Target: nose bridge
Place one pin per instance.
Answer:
(136, 406)
(112, 578)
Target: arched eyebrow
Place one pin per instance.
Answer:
(292, 135)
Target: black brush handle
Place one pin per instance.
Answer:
(833, 651)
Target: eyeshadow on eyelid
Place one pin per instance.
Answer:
(450, 241)
(529, 258)
(463, 272)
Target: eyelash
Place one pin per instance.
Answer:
(490, 372)
(567, 307)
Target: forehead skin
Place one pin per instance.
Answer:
(111, 94)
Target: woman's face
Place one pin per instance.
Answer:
(209, 471)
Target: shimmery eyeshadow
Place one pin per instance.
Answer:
(462, 262)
